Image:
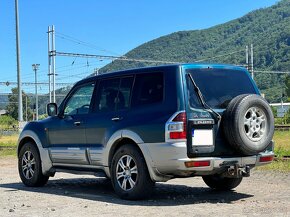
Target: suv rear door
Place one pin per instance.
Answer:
(218, 85)
(112, 101)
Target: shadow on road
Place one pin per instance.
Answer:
(100, 189)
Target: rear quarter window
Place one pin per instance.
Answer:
(148, 89)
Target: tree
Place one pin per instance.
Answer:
(12, 107)
(287, 83)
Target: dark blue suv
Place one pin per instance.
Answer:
(149, 125)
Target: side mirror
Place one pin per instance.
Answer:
(51, 109)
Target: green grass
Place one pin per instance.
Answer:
(281, 166)
(281, 148)
(8, 152)
(8, 140)
(282, 143)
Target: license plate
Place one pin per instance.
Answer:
(202, 137)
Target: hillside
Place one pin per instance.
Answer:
(268, 29)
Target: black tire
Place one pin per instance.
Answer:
(143, 184)
(33, 162)
(250, 137)
(221, 183)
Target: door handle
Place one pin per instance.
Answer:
(117, 118)
(77, 123)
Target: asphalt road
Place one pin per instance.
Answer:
(263, 194)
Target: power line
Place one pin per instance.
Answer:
(108, 57)
(80, 42)
(272, 72)
(28, 94)
(7, 83)
(214, 57)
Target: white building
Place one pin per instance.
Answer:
(282, 108)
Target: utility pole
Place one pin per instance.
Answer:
(247, 57)
(20, 111)
(49, 64)
(252, 61)
(96, 71)
(26, 112)
(35, 67)
(53, 61)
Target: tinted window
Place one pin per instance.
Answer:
(114, 94)
(107, 94)
(218, 86)
(124, 94)
(148, 89)
(79, 102)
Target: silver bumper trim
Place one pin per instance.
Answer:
(217, 162)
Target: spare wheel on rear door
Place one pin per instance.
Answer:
(248, 124)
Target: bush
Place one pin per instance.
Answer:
(287, 117)
(41, 117)
(274, 110)
(7, 122)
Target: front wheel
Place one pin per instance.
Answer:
(130, 176)
(29, 166)
(221, 183)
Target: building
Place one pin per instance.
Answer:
(282, 108)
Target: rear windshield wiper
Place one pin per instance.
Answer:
(201, 99)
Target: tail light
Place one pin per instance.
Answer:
(266, 158)
(176, 128)
(204, 163)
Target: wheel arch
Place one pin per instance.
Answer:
(30, 136)
(129, 137)
(23, 141)
(117, 144)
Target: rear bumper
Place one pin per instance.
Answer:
(169, 159)
(217, 163)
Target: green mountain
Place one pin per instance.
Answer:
(268, 29)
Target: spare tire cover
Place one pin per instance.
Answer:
(248, 124)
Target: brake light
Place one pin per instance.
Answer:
(266, 158)
(177, 135)
(204, 163)
(177, 127)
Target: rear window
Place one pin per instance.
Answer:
(218, 86)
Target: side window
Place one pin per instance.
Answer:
(124, 94)
(79, 102)
(107, 95)
(114, 94)
(148, 89)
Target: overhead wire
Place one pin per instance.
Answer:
(80, 42)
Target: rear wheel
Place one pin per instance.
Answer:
(129, 173)
(29, 166)
(221, 183)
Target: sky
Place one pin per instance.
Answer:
(108, 27)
